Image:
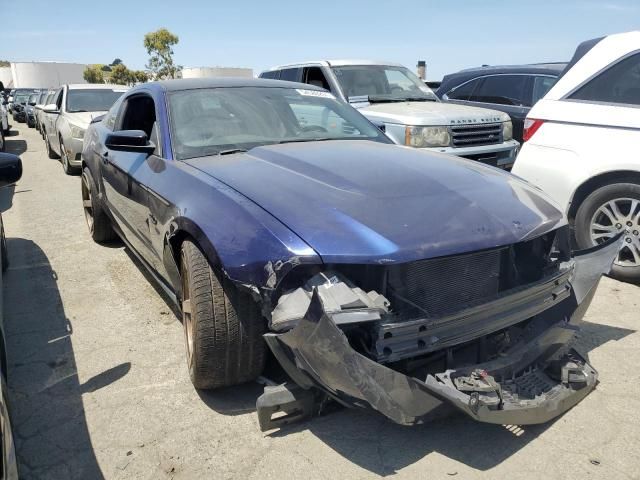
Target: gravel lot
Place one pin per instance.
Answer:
(99, 386)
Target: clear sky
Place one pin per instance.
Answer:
(449, 35)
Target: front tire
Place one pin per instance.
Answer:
(50, 153)
(223, 325)
(97, 221)
(607, 211)
(66, 166)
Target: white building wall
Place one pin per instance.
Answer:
(46, 74)
(5, 77)
(212, 72)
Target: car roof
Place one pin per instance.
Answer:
(533, 68)
(94, 86)
(226, 82)
(337, 63)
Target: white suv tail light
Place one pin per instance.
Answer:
(531, 126)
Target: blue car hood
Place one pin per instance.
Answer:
(366, 202)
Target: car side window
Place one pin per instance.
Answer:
(274, 74)
(464, 91)
(139, 113)
(57, 98)
(503, 90)
(109, 120)
(620, 83)
(314, 76)
(290, 74)
(541, 85)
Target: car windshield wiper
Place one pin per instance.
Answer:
(300, 140)
(231, 151)
(382, 99)
(419, 99)
(77, 111)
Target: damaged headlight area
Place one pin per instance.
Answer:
(486, 333)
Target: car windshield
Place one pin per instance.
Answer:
(33, 98)
(224, 120)
(21, 98)
(381, 83)
(91, 100)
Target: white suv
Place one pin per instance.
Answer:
(581, 146)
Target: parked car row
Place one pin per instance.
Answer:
(63, 115)
(287, 214)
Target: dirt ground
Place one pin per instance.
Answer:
(99, 386)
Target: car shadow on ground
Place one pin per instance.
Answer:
(14, 145)
(50, 429)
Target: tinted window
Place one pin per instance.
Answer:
(33, 98)
(275, 74)
(620, 83)
(541, 85)
(208, 121)
(290, 74)
(314, 76)
(503, 90)
(91, 100)
(464, 91)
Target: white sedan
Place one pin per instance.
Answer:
(581, 146)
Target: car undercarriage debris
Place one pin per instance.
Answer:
(507, 363)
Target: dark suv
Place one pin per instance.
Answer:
(512, 89)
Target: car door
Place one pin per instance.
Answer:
(121, 173)
(52, 119)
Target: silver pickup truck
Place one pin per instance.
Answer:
(390, 95)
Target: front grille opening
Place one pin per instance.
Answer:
(442, 286)
(476, 134)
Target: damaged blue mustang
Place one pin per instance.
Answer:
(279, 219)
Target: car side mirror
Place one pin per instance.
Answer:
(33, 104)
(51, 108)
(10, 169)
(130, 141)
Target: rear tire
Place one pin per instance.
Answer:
(607, 211)
(223, 326)
(97, 220)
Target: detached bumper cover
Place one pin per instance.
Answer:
(550, 379)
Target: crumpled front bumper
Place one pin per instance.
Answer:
(550, 378)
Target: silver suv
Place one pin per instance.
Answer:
(393, 97)
(66, 119)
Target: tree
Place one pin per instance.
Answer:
(106, 68)
(121, 75)
(93, 74)
(4, 63)
(158, 45)
(140, 76)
